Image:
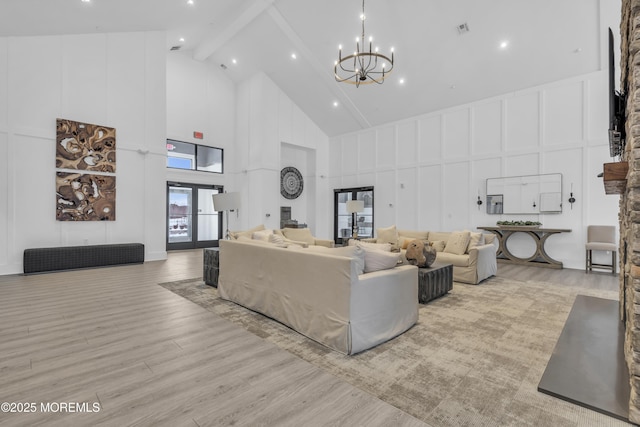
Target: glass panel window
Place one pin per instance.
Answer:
(181, 155)
(343, 220)
(180, 205)
(207, 216)
(185, 155)
(209, 159)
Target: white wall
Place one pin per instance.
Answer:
(116, 80)
(267, 121)
(429, 170)
(200, 97)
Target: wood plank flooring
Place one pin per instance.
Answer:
(149, 357)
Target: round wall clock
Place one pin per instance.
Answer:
(291, 182)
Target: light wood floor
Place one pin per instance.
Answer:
(149, 357)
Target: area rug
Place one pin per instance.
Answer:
(474, 358)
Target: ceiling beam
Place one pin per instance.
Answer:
(213, 42)
(324, 71)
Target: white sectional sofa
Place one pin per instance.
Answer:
(473, 255)
(323, 296)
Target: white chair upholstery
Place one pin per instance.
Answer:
(601, 238)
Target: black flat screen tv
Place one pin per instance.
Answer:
(616, 108)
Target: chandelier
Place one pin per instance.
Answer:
(363, 67)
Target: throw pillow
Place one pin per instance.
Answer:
(262, 235)
(299, 235)
(387, 235)
(458, 242)
(385, 247)
(248, 233)
(477, 239)
(438, 245)
(277, 240)
(375, 260)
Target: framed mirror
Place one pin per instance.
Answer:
(528, 194)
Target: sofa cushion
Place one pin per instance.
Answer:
(247, 239)
(387, 235)
(375, 260)
(299, 235)
(458, 242)
(404, 241)
(420, 235)
(385, 247)
(262, 235)
(476, 239)
(355, 252)
(439, 235)
(456, 260)
(247, 233)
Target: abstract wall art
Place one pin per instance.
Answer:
(85, 197)
(84, 146)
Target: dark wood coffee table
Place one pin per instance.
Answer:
(434, 281)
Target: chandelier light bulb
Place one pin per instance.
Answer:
(340, 46)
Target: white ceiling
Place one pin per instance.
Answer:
(548, 40)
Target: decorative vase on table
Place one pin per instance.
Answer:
(420, 253)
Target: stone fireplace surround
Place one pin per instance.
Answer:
(630, 201)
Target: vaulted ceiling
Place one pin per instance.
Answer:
(546, 41)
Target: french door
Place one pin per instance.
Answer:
(343, 220)
(191, 221)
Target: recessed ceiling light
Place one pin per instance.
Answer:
(335, 103)
(234, 61)
(504, 44)
(190, 2)
(401, 81)
(293, 56)
(86, 1)
(181, 39)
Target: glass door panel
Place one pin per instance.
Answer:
(191, 221)
(343, 220)
(180, 210)
(365, 219)
(207, 217)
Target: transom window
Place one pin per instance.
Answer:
(185, 155)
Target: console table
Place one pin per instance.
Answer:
(540, 235)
